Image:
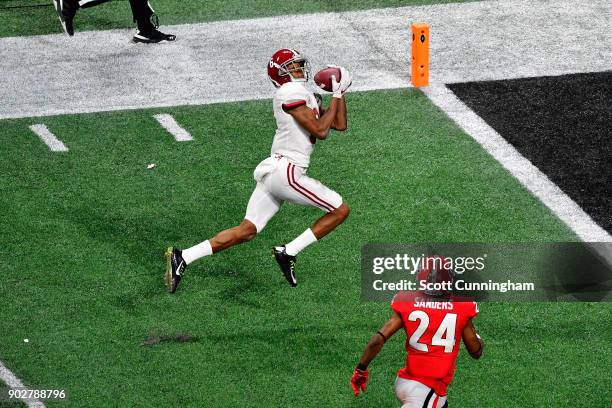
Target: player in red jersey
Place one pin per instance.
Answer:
(435, 322)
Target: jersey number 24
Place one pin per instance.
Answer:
(444, 335)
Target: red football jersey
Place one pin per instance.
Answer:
(433, 333)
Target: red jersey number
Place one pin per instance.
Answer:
(444, 335)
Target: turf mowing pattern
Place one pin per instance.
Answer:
(82, 277)
(33, 17)
(561, 124)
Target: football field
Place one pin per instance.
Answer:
(84, 231)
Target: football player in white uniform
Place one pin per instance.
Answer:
(282, 176)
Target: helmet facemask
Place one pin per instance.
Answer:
(304, 67)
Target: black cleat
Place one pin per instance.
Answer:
(286, 263)
(175, 265)
(66, 10)
(151, 37)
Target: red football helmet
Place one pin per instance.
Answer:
(278, 67)
(434, 270)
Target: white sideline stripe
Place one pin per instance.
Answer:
(522, 169)
(55, 145)
(170, 124)
(12, 381)
(513, 39)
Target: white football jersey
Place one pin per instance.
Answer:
(291, 140)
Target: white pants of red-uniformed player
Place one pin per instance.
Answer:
(279, 180)
(413, 394)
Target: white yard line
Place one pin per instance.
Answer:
(54, 144)
(522, 169)
(225, 61)
(15, 383)
(170, 124)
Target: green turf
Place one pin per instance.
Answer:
(84, 235)
(116, 14)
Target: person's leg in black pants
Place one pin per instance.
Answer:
(142, 12)
(147, 21)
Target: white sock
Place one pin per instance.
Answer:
(197, 251)
(301, 242)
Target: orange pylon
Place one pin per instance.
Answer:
(420, 55)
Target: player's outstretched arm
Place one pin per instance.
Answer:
(340, 88)
(340, 122)
(472, 340)
(307, 119)
(319, 127)
(340, 119)
(379, 338)
(359, 380)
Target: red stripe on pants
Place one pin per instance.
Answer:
(313, 197)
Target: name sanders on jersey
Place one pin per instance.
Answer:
(458, 285)
(428, 304)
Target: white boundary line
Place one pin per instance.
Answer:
(12, 381)
(522, 169)
(372, 43)
(170, 124)
(55, 145)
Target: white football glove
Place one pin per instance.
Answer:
(346, 79)
(336, 87)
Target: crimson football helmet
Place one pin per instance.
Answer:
(278, 67)
(434, 270)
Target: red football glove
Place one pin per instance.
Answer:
(359, 380)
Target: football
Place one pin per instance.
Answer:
(323, 78)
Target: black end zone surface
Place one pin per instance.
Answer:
(562, 124)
